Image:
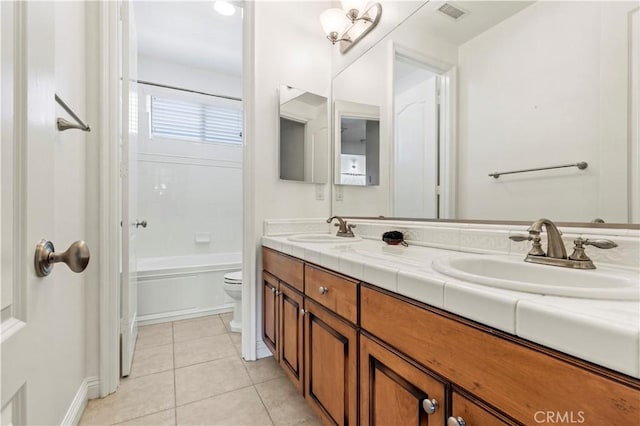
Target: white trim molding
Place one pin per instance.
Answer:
(261, 350)
(89, 389)
(250, 241)
(109, 177)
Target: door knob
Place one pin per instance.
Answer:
(142, 223)
(76, 257)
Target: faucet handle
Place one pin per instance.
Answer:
(536, 249)
(601, 243)
(578, 249)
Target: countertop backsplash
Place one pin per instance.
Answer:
(473, 237)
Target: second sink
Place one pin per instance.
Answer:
(322, 238)
(514, 274)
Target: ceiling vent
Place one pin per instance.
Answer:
(453, 12)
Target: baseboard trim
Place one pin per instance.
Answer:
(93, 387)
(261, 350)
(78, 404)
(181, 315)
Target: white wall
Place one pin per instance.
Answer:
(565, 113)
(189, 193)
(369, 80)
(187, 77)
(290, 49)
(394, 12)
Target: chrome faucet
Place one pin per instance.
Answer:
(344, 229)
(556, 254)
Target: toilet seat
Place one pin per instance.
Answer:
(233, 277)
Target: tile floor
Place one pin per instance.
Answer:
(190, 373)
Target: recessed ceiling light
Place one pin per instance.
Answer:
(224, 8)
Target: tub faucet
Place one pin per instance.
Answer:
(344, 229)
(556, 254)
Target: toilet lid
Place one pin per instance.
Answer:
(233, 277)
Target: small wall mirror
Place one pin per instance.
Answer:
(304, 136)
(357, 137)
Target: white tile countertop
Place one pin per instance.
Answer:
(605, 332)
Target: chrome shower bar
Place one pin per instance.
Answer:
(581, 165)
(65, 124)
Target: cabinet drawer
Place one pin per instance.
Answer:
(286, 268)
(337, 293)
(518, 377)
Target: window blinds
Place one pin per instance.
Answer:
(199, 122)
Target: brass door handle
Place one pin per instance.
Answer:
(76, 257)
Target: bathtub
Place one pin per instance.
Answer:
(181, 287)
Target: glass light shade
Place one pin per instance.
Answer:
(359, 5)
(333, 20)
(224, 8)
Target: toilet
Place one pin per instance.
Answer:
(233, 287)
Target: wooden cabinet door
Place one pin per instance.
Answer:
(330, 365)
(270, 313)
(291, 334)
(473, 413)
(393, 391)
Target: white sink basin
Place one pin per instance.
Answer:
(515, 274)
(322, 238)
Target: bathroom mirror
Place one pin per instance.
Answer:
(357, 140)
(505, 87)
(303, 135)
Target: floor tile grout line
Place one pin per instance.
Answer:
(204, 362)
(144, 415)
(264, 405)
(201, 337)
(257, 392)
(213, 396)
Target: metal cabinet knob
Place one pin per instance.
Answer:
(273, 290)
(323, 290)
(455, 421)
(302, 311)
(430, 405)
(142, 223)
(76, 257)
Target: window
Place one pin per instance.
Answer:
(194, 121)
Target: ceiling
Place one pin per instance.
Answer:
(190, 33)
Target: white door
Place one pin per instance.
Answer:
(416, 150)
(129, 176)
(42, 318)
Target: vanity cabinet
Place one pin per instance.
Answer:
(290, 305)
(330, 365)
(364, 355)
(466, 411)
(396, 391)
(517, 381)
(282, 312)
(270, 322)
(321, 311)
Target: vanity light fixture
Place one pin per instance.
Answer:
(224, 8)
(351, 23)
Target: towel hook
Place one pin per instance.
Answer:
(65, 124)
